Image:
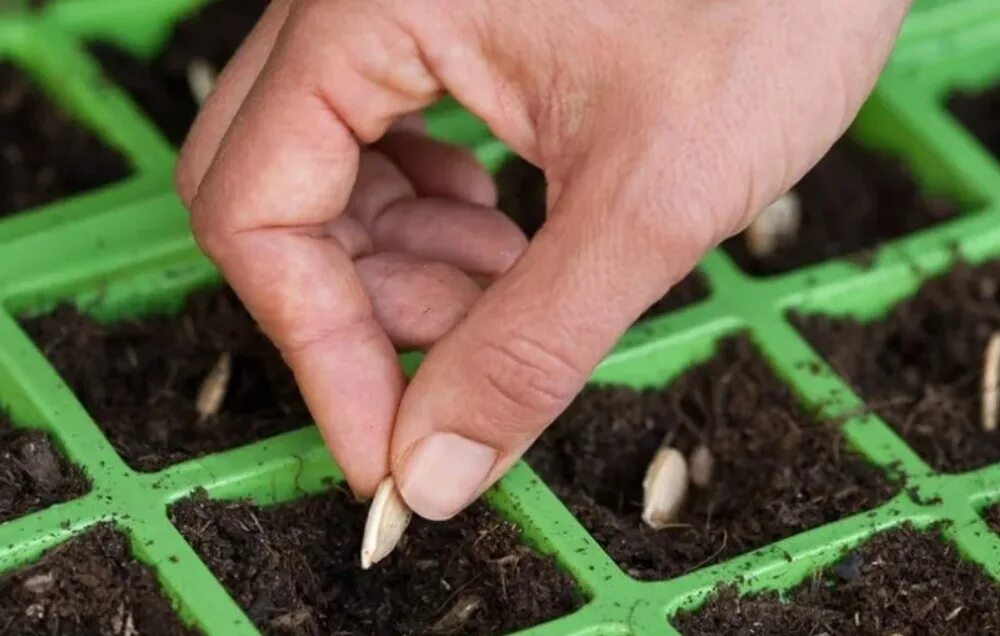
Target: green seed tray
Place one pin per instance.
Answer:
(125, 250)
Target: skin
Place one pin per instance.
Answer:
(663, 126)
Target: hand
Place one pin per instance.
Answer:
(662, 127)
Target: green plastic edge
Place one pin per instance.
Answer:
(130, 252)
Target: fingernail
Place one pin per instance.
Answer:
(442, 473)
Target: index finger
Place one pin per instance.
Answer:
(284, 169)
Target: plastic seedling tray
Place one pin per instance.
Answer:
(125, 250)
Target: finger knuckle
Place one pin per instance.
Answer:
(529, 376)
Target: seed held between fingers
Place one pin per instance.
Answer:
(201, 78)
(776, 225)
(387, 520)
(664, 488)
(213, 389)
(990, 378)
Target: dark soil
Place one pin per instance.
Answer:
(89, 586)
(901, 582)
(33, 473)
(160, 85)
(294, 568)
(138, 378)
(852, 200)
(993, 518)
(919, 368)
(777, 472)
(522, 198)
(44, 154)
(980, 113)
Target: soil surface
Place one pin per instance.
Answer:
(139, 378)
(44, 154)
(160, 85)
(522, 197)
(89, 586)
(776, 472)
(902, 582)
(993, 518)
(852, 200)
(980, 113)
(294, 568)
(33, 473)
(920, 367)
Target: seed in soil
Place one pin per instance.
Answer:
(89, 585)
(664, 488)
(141, 379)
(33, 473)
(161, 85)
(293, 568)
(920, 367)
(852, 200)
(44, 154)
(991, 378)
(522, 198)
(980, 113)
(776, 471)
(904, 581)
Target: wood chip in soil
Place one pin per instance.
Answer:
(294, 568)
(160, 85)
(88, 586)
(139, 378)
(901, 582)
(33, 473)
(980, 113)
(852, 200)
(919, 367)
(44, 154)
(776, 471)
(522, 197)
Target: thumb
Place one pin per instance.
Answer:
(488, 389)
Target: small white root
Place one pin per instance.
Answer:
(387, 520)
(213, 389)
(700, 465)
(664, 488)
(776, 225)
(990, 379)
(201, 78)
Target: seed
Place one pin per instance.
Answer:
(991, 376)
(213, 388)
(201, 78)
(701, 463)
(776, 225)
(40, 583)
(664, 488)
(387, 520)
(456, 618)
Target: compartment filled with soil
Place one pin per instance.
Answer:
(160, 85)
(33, 473)
(980, 113)
(89, 585)
(851, 201)
(993, 517)
(901, 582)
(143, 380)
(522, 198)
(920, 368)
(45, 155)
(295, 569)
(774, 471)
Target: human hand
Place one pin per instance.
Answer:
(663, 126)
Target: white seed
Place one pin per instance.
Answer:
(201, 77)
(700, 465)
(40, 583)
(213, 389)
(387, 520)
(776, 225)
(664, 488)
(991, 376)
